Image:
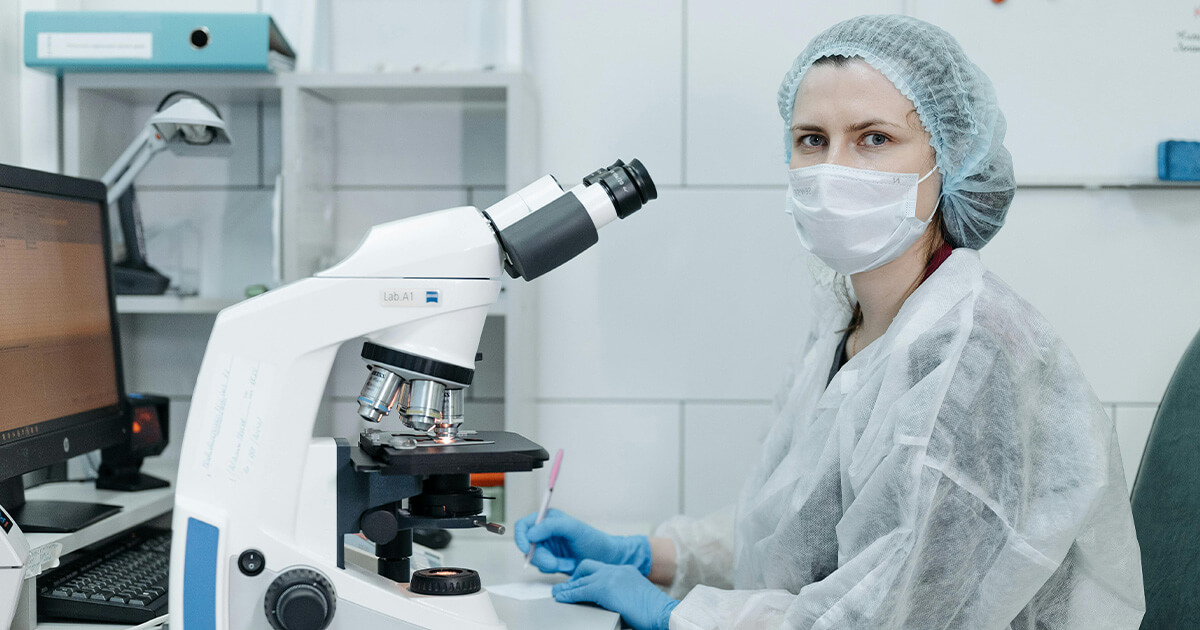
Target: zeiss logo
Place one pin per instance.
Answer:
(410, 297)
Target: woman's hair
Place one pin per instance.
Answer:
(939, 236)
(836, 61)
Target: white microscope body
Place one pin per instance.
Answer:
(14, 554)
(260, 505)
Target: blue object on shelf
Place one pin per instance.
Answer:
(1179, 160)
(113, 41)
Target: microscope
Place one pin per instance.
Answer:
(14, 555)
(261, 506)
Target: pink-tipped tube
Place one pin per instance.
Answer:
(554, 471)
(545, 501)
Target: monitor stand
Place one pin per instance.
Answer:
(57, 517)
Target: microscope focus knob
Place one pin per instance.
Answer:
(445, 581)
(300, 599)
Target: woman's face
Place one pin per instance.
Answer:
(852, 115)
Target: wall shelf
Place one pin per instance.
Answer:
(1106, 184)
(171, 304)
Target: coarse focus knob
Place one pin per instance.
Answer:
(300, 599)
(445, 581)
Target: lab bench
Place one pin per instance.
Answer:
(495, 557)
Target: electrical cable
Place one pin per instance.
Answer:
(156, 622)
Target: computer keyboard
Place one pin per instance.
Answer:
(123, 580)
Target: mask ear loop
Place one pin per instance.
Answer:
(937, 205)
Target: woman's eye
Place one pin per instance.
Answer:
(810, 140)
(875, 139)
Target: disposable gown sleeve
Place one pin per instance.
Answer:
(958, 555)
(932, 539)
(703, 550)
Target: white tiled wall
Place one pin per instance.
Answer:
(610, 84)
(721, 442)
(736, 55)
(1108, 267)
(621, 461)
(700, 295)
(1133, 427)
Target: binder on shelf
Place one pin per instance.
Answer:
(111, 41)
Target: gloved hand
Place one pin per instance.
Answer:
(563, 541)
(620, 589)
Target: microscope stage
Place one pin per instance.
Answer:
(485, 451)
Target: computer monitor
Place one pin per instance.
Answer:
(61, 387)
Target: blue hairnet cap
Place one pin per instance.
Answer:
(954, 99)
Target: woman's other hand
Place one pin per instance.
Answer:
(620, 589)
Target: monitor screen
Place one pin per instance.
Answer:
(61, 387)
(56, 341)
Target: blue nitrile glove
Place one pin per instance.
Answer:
(563, 541)
(620, 589)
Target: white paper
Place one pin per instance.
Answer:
(95, 45)
(523, 590)
(42, 558)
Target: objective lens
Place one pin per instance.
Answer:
(422, 404)
(378, 394)
(628, 185)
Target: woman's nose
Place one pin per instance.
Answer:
(837, 155)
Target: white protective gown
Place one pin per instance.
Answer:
(958, 472)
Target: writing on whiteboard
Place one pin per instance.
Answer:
(1188, 41)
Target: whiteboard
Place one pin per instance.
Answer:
(1089, 87)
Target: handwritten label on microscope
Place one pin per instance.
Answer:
(410, 297)
(235, 425)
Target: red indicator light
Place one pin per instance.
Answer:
(137, 426)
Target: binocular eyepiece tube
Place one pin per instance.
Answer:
(541, 227)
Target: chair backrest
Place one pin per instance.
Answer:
(1166, 502)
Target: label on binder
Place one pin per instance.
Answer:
(95, 45)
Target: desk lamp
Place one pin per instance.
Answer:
(185, 123)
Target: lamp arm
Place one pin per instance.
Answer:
(118, 167)
(148, 150)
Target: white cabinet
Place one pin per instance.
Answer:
(351, 150)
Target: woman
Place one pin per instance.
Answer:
(938, 459)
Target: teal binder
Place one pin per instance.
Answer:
(106, 41)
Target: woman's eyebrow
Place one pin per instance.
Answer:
(859, 126)
(874, 122)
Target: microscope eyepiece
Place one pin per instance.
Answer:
(628, 185)
(552, 231)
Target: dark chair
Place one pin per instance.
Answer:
(1166, 502)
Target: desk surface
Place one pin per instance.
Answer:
(498, 561)
(496, 558)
